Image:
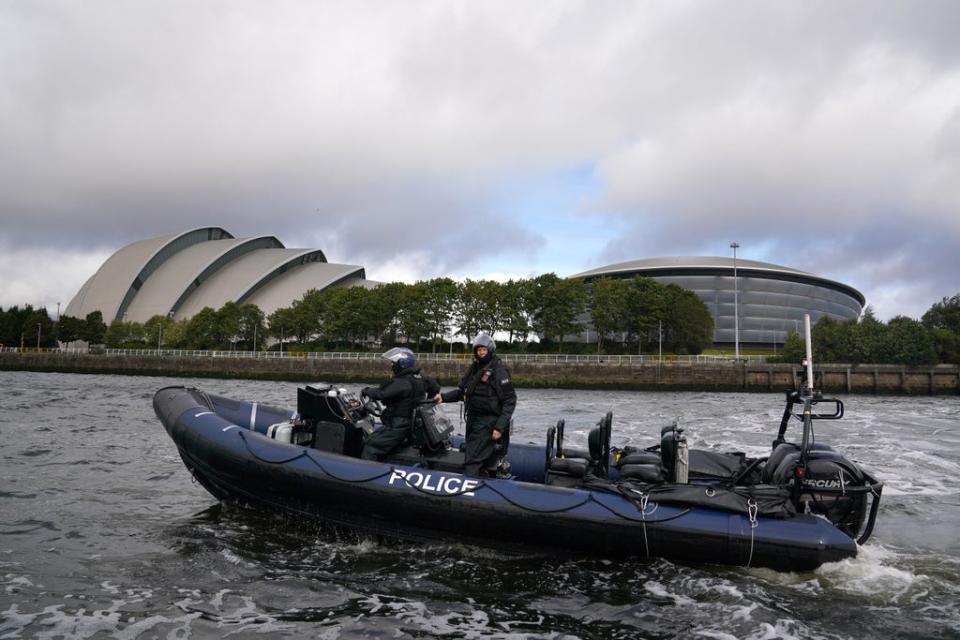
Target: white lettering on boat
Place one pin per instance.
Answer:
(435, 483)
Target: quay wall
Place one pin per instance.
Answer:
(685, 376)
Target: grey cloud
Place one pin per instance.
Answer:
(374, 129)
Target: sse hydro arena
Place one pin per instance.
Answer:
(178, 275)
(771, 300)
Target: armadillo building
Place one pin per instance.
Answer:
(178, 275)
(770, 300)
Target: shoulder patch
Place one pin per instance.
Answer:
(505, 381)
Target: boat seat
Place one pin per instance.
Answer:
(643, 466)
(562, 471)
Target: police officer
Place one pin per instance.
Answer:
(489, 400)
(400, 396)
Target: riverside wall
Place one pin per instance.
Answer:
(721, 376)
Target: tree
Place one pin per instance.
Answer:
(828, 343)
(688, 324)
(608, 307)
(94, 330)
(947, 345)
(345, 319)
(909, 343)
(158, 331)
(281, 322)
(228, 325)
(250, 326)
(477, 307)
(9, 328)
(645, 308)
(794, 349)
(125, 335)
(514, 308)
(441, 298)
(38, 325)
(562, 305)
(862, 341)
(69, 329)
(944, 315)
(203, 330)
(383, 307)
(412, 314)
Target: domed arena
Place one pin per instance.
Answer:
(769, 300)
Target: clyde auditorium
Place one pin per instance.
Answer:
(771, 300)
(178, 275)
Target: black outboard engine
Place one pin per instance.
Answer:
(829, 484)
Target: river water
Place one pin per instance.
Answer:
(103, 534)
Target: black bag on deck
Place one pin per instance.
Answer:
(430, 429)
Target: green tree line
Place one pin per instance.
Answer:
(29, 327)
(933, 339)
(625, 316)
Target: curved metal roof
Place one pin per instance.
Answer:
(238, 280)
(281, 292)
(714, 266)
(113, 287)
(173, 281)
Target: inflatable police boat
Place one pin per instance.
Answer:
(801, 506)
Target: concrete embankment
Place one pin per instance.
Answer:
(721, 376)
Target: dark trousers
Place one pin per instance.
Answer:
(481, 447)
(381, 443)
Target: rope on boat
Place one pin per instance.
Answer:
(643, 513)
(752, 514)
(483, 484)
(526, 508)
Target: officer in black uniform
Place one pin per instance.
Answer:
(400, 396)
(489, 400)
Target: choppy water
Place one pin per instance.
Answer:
(104, 534)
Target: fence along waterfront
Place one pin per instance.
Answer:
(425, 357)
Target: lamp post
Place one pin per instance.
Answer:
(58, 312)
(38, 336)
(736, 302)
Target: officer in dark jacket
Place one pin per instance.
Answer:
(489, 400)
(400, 396)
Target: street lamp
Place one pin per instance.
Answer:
(38, 336)
(736, 302)
(58, 312)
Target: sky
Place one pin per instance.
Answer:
(487, 139)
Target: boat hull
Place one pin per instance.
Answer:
(223, 449)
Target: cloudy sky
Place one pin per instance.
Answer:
(487, 139)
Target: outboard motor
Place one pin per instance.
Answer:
(829, 485)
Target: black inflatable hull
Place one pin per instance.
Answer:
(221, 448)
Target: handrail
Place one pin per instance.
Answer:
(564, 358)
